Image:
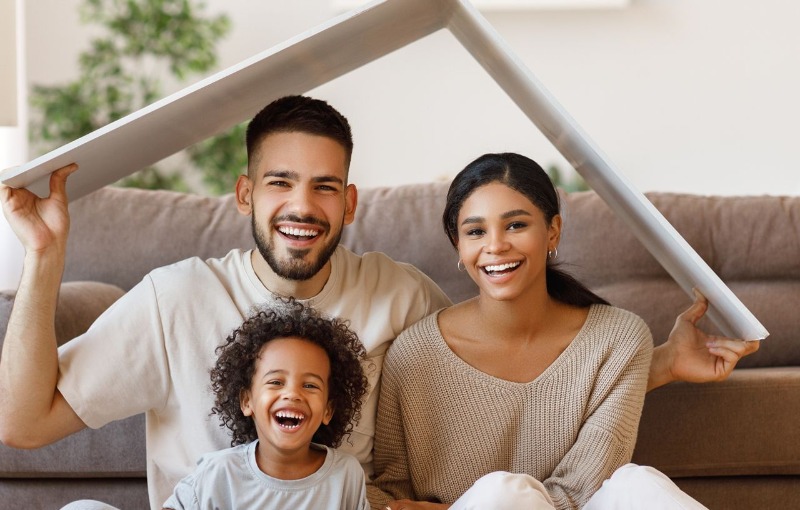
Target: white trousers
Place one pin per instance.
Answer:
(631, 487)
(88, 504)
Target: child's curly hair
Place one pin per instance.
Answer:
(236, 364)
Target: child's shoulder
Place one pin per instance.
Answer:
(212, 461)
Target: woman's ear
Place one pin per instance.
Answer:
(554, 232)
(244, 195)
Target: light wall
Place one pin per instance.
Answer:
(8, 62)
(693, 96)
(13, 125)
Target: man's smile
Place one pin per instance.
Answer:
(296, 233)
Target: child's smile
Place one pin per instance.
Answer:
(288, 400)
(289, 419)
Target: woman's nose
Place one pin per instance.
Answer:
(496, 242)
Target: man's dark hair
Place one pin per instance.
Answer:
(236, 364)
(299, 114)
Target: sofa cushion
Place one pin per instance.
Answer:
(405, 222)
(734, 235)
(79, 304)
(118, 235)
(746, 425)
(116, 450)
(94, 453)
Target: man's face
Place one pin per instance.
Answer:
(299, 202)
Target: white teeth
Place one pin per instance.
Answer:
(298, 232)
(289, 419)
(289, 414)
(501, 267)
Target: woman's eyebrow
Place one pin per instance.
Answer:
(505, 216)
(515, 212)
(473, 219)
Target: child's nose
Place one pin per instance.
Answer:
(290, 393)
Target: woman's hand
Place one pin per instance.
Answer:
(407, 504)
(39, 223)
(691, 355)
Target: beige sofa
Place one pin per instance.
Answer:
(733, 445)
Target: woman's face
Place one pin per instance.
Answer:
(503, 240)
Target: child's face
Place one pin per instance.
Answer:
(288, 396)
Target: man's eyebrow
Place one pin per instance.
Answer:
(284, 174)
(328, 178)
(294, 176)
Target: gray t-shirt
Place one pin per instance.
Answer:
(230, 478)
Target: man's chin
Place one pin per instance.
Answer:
(297, 274)
(294, 268)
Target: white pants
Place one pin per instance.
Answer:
(88, 504)
(631, 487)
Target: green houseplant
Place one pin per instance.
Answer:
(141, 42)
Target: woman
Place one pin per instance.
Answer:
(536, 375)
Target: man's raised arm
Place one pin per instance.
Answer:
(32, 411)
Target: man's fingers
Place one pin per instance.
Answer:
(58, 182)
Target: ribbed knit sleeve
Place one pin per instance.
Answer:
(608, 435)
(442, 424)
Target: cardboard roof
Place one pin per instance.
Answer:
(343, 44)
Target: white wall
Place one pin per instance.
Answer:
(691, 96)
(13, 140)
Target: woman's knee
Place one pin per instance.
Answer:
(88, 504)
(632, 485)
(502, 490)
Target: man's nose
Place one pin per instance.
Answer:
(302, 201)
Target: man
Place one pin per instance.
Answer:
(157, 342)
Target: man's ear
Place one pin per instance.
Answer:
(328, 415)
(244, 195)
(244, 403)
(350, 203)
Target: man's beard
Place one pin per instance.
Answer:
(295, 267)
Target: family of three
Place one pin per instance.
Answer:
(526, 396)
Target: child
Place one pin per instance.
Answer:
(288, 384)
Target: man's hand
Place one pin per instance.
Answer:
(691, 355)
(39, 223)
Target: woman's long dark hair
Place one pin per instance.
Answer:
(524, 176)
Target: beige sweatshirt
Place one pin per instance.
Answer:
(442, 424)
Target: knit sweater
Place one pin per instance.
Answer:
(442, 424)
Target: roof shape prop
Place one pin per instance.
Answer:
(341, 45)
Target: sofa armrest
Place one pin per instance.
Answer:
(79, 304)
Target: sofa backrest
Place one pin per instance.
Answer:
(752, 243)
